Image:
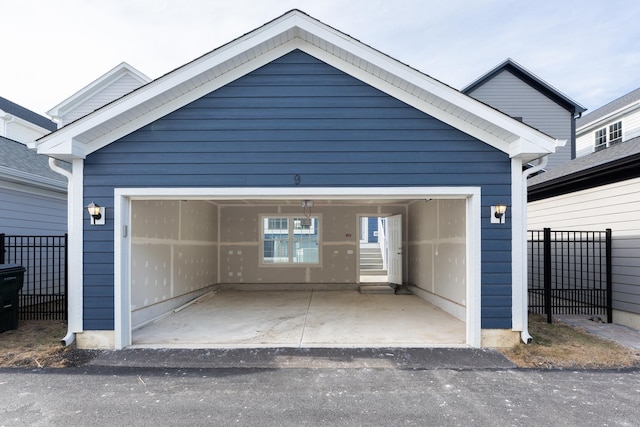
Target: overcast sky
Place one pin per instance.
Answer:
(589, 50)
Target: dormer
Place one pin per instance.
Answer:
(114, 84)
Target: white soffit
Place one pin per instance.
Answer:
(294, 30)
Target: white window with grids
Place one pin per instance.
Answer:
(290, 239)
(608, 136)
(615, 133)
(601, 139)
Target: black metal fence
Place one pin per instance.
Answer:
(44, 291)
(569, 272)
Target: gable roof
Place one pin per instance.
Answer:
(291, 31)
(609, 109)
(26, 114)
(531, 79)
(101, 83)
(22, 165)
(616, 163)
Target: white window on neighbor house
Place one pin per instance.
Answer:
(604, 139)
(615, 133)
(601, 139)
(290, 239)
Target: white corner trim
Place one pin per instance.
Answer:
(474, 269)
(75, 212)
(520, 302)
(122, 270)
(518, 217)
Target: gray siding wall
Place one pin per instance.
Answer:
(614, 206)
(297, 115)
(516, 98)
(115, 90)
(38, 213)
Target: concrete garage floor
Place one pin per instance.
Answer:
(252, 319)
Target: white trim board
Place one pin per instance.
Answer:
(122, 240)
(295, 30)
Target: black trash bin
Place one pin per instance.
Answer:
(11, 280)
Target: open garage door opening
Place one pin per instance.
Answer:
(231, 272)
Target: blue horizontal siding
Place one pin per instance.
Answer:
(298, 116)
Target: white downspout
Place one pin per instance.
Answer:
(524, 335)
(70, 337)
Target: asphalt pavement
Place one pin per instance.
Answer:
(107, 396)
(276, 358)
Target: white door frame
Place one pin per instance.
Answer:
(122, 240)
(393, 235)
(363, 229)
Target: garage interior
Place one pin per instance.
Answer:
(213, 273)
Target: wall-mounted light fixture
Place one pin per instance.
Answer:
(498, 213)
(96, 213)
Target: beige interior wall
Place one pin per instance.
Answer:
(240, 244)
(437, 248)
(178, 247)
(174, 249)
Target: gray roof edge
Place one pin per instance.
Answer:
(609, 108)
(31, 179)
(26, 114)
(18, 160)
(511, 65)
(610, 155)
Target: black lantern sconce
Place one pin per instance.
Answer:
(498, 213)
(97, 213)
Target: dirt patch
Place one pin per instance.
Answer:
(558, 345)
(36, 344)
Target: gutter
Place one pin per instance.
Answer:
(21, 177)
(524, 335)
(70, 337)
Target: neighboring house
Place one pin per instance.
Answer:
(188, 170)
(109, 87)
(20, 124)
(32, 197)
(613, 123)
(28, 186)
(515, 91)
(601, 190)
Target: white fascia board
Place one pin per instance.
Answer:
(9, 118)
(285, 193)
(188, 97)
(153, 89)
(528, 150)
(271, 39)
(64, 150)
(406, 97)
(430, 85)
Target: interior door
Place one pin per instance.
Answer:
(394, 248)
